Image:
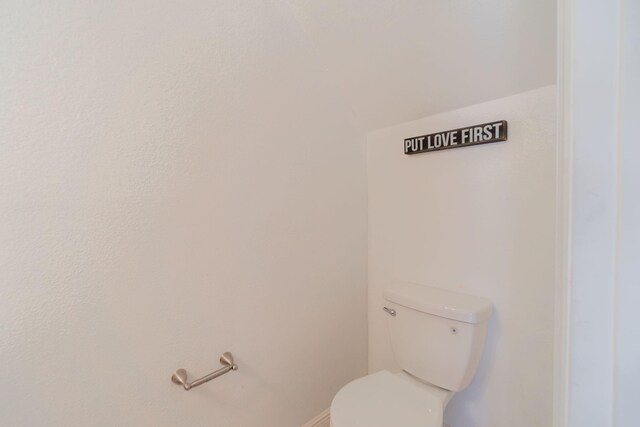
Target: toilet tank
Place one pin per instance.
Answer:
(437, 335)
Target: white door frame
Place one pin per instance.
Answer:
(588, 202)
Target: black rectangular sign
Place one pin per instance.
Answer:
(463, 137)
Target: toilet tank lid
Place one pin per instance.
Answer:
(447, 304)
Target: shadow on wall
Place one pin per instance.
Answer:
(468, 408)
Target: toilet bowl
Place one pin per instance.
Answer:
(437, 338)
(384, 399)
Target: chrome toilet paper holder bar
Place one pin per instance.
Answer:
(179, 377)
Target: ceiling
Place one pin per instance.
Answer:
(395, 61)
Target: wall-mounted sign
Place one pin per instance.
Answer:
(463, 137)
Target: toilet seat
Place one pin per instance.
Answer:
(384, 399)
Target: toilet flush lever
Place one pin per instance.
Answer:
(391, 311)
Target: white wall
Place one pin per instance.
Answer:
(175, 181)
(478, 220)
(379, 51)
(627, 371)
(601, 105)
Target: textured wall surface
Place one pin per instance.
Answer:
(179, 179)
(478, 220)
(176, 180)
(396, 61)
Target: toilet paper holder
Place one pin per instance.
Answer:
(179, 377)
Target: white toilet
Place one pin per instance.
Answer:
(437, 338)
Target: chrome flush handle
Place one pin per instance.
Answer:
(391, 311)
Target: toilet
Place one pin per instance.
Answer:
(437, 338)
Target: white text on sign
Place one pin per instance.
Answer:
(472, 135)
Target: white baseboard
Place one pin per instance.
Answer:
(322, 420)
